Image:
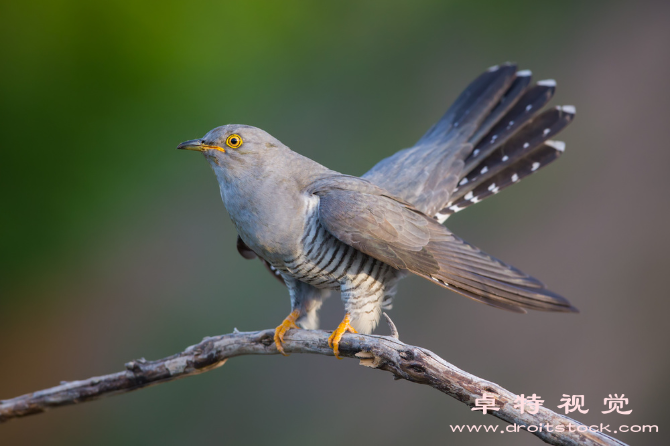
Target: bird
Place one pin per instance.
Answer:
(317, 230)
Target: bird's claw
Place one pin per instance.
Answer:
(335, 338)
(285, 326)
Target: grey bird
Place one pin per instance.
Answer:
(318, 230)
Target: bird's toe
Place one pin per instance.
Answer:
(335, 338)
(285, 326)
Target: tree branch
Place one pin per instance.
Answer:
(404, 361)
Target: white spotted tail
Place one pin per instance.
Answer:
(517, 145)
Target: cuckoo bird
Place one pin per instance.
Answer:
(317, 230)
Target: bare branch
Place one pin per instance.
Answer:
(404, 361)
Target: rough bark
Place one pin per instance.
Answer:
(404, 361)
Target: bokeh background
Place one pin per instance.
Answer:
(115, 246)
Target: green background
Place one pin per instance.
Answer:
(115, 246)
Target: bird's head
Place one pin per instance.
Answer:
(235, 148)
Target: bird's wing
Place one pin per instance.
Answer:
(369, 219)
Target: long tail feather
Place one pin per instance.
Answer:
(525, 141)
(512, 161)
(472, 107)
(524, 110)
(426, 174)
(494, 124)
(547, 153)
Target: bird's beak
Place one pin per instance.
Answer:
(198, 146)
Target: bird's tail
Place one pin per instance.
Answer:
(512, 139)
(518, 144)
(494, 134)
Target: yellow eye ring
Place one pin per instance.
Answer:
(234, 141)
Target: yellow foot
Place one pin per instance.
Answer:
(336, 337)
(285, 326)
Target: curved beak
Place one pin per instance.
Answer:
(198, 146)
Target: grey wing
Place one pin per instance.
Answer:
(398, 234)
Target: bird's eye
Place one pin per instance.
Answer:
(234, 141)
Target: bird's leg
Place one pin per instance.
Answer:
(285, 326)
(336, 337)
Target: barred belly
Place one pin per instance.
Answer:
(324, 262)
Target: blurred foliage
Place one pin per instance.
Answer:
(95, 95)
